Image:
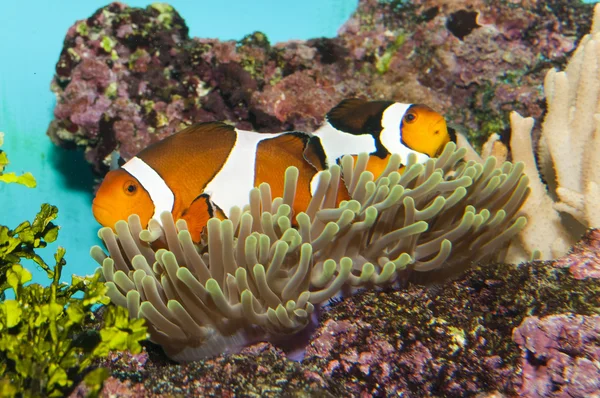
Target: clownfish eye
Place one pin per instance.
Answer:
(130, 187)
(410, 117)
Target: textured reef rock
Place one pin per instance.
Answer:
(260, 370)
(560, 355)
(584, 263)
(528, 330)
(128, 77)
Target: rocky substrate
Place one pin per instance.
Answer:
(127, 77)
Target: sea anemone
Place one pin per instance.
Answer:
(256, 274)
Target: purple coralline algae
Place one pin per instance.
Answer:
(583, 263)
(560, 356)
(498, 330)
(127, 77)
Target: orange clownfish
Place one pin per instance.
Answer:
(204, 170)
(381, 128)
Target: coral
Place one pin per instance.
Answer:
(260, 370)
(569, 154)
(560, 355)
(453, 340)
(255, 272)
(26, 179)
(128, 77)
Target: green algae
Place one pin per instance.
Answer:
(83, 29)
(165, 14)
(46, 337)
(48, 341)
(137, 54)
(26, 179)
(249, 62)
(111, 90)
(256, 62)
(108, 44)
(256, 39)
(382, 64)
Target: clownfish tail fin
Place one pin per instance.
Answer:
(314, 153)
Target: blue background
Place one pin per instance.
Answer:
(31, 36)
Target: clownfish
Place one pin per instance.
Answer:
(207, 168)
(203, 171)
(381, 128)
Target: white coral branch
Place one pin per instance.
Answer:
(569, 153)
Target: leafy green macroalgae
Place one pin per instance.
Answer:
(47, 337)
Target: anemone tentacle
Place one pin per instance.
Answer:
(256, 272)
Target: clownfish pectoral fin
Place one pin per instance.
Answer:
(197, 215)
(357, 116)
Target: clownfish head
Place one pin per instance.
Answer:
(424, 130)
(119, 196)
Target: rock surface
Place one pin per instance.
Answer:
(128, 77)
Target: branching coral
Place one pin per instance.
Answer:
(569, 155)
(256, 272)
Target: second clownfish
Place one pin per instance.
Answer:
(381, 128)
(205, 169)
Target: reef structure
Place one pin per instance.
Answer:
(128, 77)
(565, 180)
(474, 335)
(569, 151)
(255, 271)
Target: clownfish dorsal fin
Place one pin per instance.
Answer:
(358, 116)
(205, 128)
(191, 140)
(294, 148)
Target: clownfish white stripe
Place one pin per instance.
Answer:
(161, 195)
(390, 123)
(235, 179)
(337, 143)
(314, 183)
